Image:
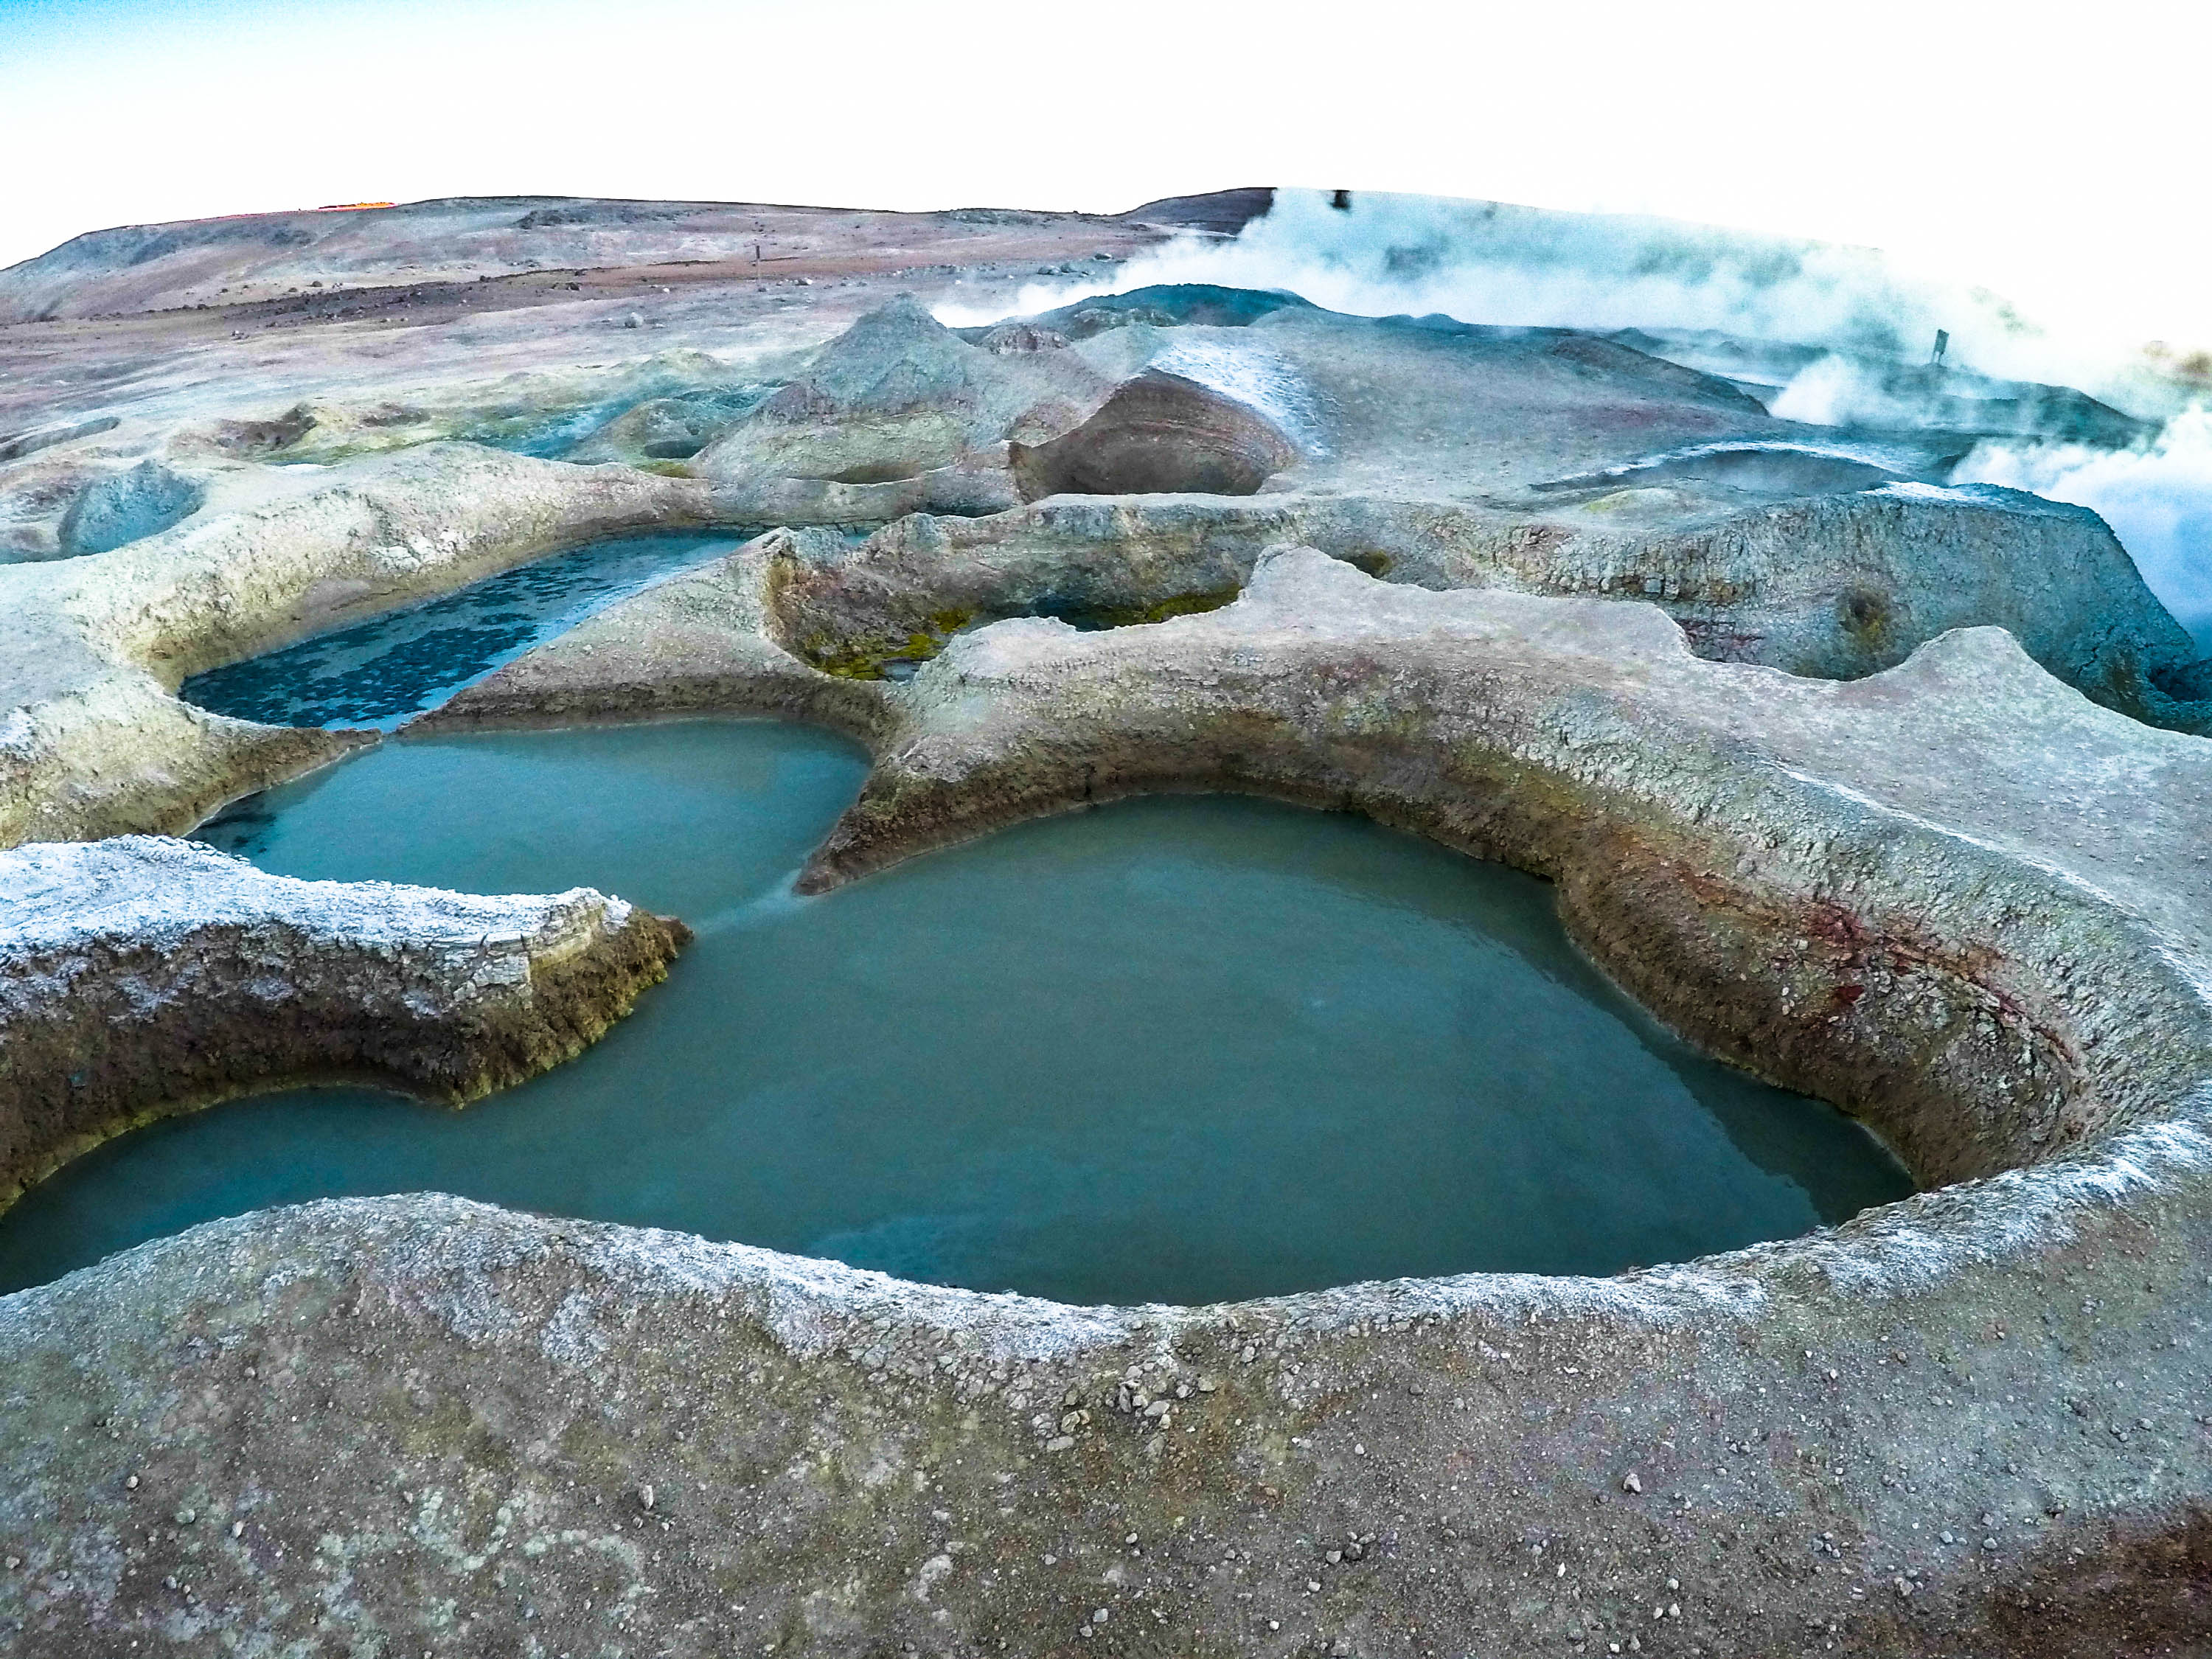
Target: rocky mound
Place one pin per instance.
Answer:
(1159, 434)
(895, 396)
(1835, 585)
(667, 429)
(141, 977)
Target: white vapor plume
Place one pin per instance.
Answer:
(1838, 334)
(1833, 391)
(2158, 501)
(1492, 262)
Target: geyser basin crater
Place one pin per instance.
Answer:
(1949, 891)
(1174, 1051)
(1743, 849)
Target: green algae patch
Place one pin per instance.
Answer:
(875, 656)
(1867, 620)
(1181, 605)
(1098, 617)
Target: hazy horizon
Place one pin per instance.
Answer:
(2032, 162)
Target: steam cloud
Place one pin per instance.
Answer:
(1492, 262)
(1835, 391)
(2158, 501)
(1487, 262)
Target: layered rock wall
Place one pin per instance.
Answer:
(141, 977)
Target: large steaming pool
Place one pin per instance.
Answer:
(1181, 1050)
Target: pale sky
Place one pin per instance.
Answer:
(2058, 154)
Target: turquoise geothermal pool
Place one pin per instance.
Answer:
(386, 670)
(1181, 1050)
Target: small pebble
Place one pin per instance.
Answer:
(130, 1482)
(1630, 1483)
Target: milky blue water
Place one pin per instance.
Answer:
(1179, 1049)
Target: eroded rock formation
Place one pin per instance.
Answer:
(141, 976)
(91, 649)
(1776, 710)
